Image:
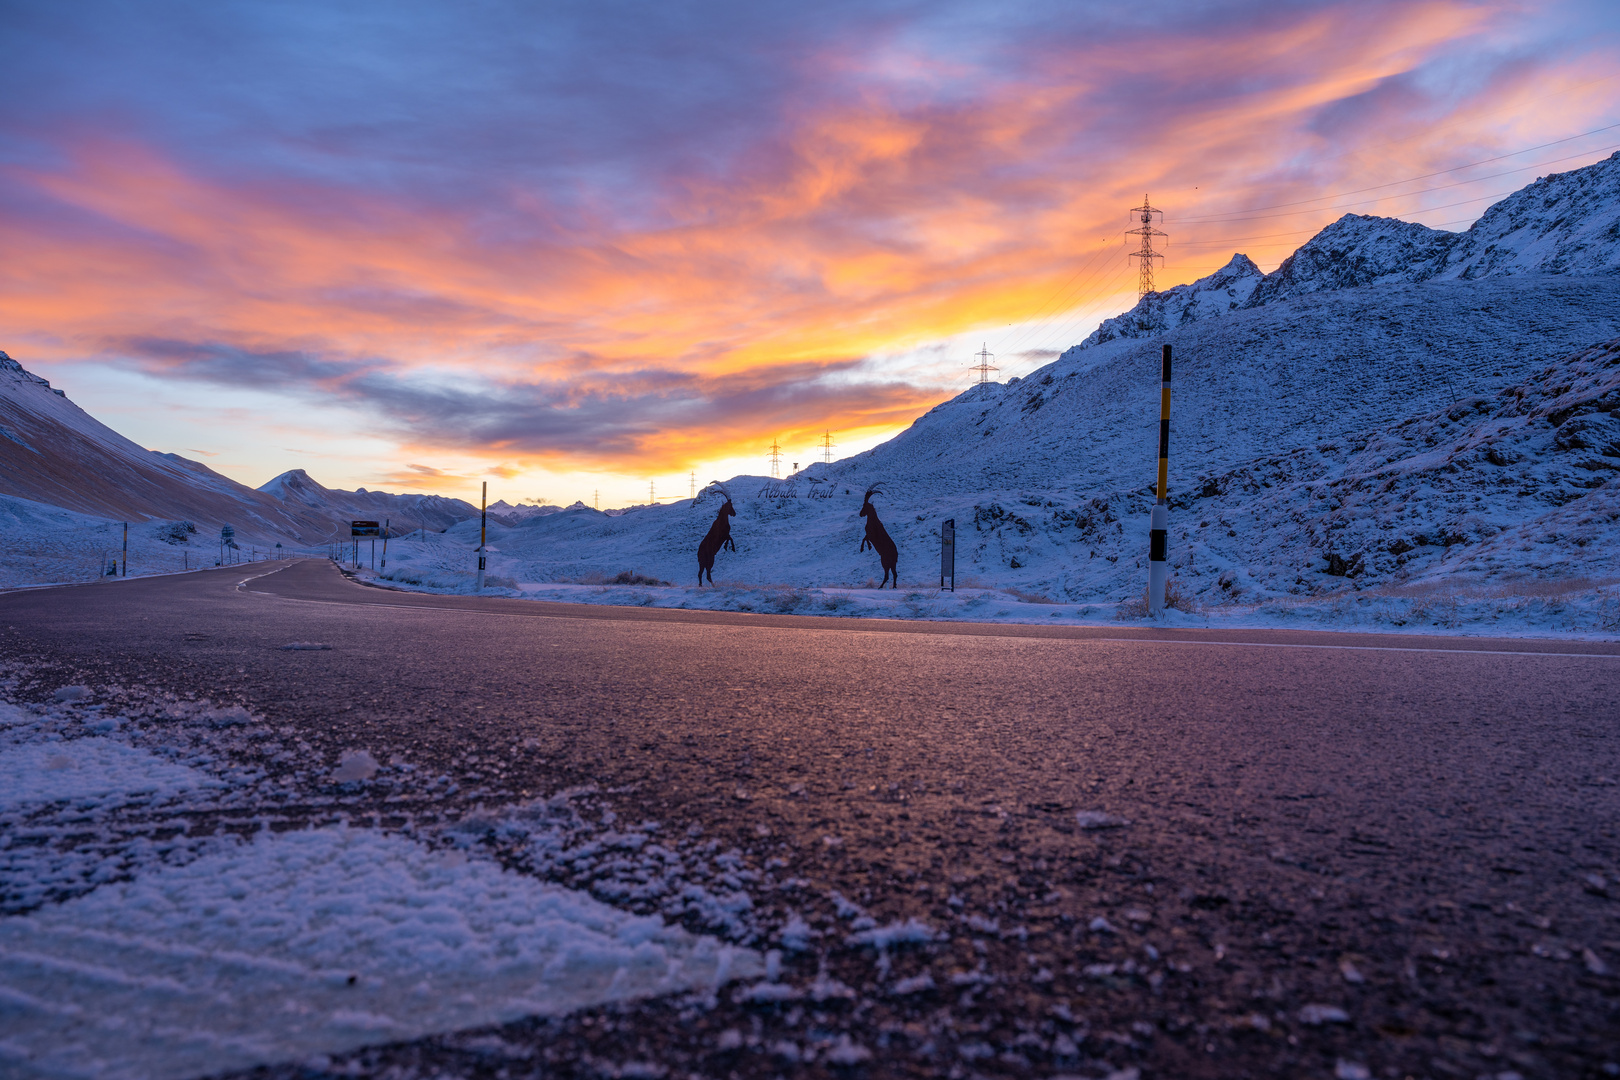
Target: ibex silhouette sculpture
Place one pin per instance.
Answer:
(878, 537)
(718, 536)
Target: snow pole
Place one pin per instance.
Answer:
(1159, 523)
(126, 550)
(483, 526)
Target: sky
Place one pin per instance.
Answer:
(596, 250)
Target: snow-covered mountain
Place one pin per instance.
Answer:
(1567, 223)
(512, 514)
(404, 512)
(55, 453)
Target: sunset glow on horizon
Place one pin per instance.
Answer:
(420, 246)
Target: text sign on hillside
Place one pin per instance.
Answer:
(364, 528)
(819, 489)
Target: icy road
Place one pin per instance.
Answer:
(778, 845)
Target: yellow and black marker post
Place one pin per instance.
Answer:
(1159, 523)
(483, 530)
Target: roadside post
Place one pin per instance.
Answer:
(483, 526)
(278, 551)
(947, 553)
(227, 541)
(126, 550)
(385, 543)
(1159, 523)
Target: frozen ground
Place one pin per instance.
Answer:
(1576, 608)
(186, 894)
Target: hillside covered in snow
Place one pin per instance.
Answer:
(1386, 411)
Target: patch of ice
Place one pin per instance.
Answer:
(1096, 819)
(317, 942)
(917, 984)
(355, 765)
(896, 933)
(1323, 1014)
(45, 772)
(796, 934)
(845, 1052)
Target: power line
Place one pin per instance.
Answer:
(1056, 300)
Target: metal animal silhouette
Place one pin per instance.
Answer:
(718, 536)
(878, 537)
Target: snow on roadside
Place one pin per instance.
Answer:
(46, 544)
(139, 946)
(319, 941)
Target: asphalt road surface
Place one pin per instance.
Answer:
(1191, 853)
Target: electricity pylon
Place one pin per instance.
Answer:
(984, 367)
(826, 446)
(776, 459)
(1144, 276)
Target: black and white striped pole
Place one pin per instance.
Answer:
(1159, 523)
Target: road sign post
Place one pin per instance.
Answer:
(385, 543)
(227, 542)
(947, 553)
(126, 550)
(358, 529)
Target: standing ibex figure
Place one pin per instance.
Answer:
(719, 536)
(878, 537)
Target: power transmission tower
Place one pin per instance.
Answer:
(826, 446)
(776, 459)
(1144, 277)
(694, 485)
(596, 499)
(984, 367)
(652, 491)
